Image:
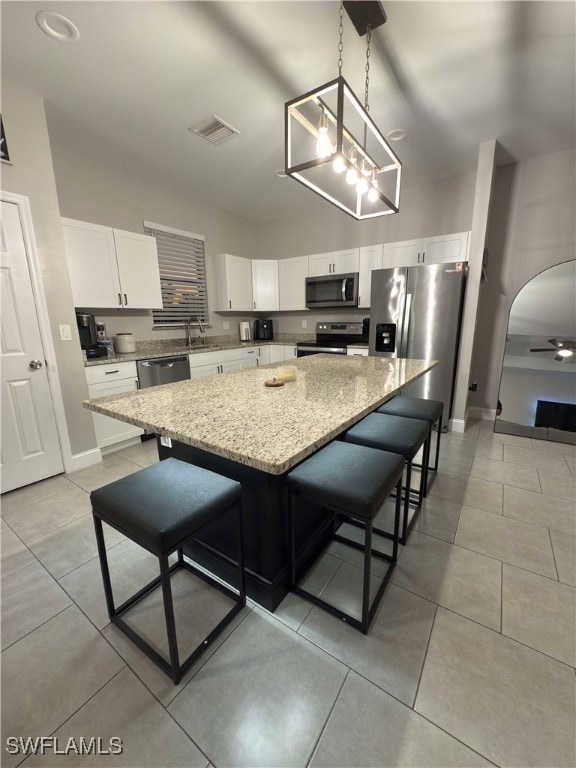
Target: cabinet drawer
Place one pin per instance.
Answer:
(99, 374)
(240, 353)
(199, 359)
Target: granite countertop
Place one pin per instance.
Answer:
(271, 429)
(146, 350)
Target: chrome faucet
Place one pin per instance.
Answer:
(188, 328)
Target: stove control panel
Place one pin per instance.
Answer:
(339, 329)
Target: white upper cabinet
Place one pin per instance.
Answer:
(371, 257)
(110, 268)
(292, 274)
(233, 276)
(406, 253)
(445, 248)
(265, 285)
(430, 250)
(334, 263)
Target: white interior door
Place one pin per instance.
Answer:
(30, 445)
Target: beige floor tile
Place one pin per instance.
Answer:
(504, 700)
(344, 590)
(262, 682)
(540, 613)
(504, 472)
(512, 541)
(112, 468)
(551, 447)
(42, 517)
(439, 518)
(455, 462)
(50, 673)
(367, 727)
(14, 554)
(151, 675)
(29, 598)
(529, 457)
(571, 461)
(144, 454)
(30, 494)
(292, 611)
(126, 710)
(456, 578)
(70, 546)
(540, 509)
(565, 555)
(483, 446)
(554, 484)
(470, 491)
(392, 653)
(131, 568)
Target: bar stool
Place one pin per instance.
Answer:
(159, 508)
(397, 435)
(423, 410)
(352, 481)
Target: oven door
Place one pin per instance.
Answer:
(332, 291)
(303, 350)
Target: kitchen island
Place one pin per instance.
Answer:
(234, 425)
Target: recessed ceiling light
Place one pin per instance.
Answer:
(57, 27)
(280, 173)
(397, 134)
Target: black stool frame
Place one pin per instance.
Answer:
(173, 668)
(368, 611)
(426, 457)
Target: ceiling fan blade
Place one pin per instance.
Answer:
(555, 342)
(547, 349)
(559, 357)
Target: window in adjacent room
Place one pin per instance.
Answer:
(182, 276)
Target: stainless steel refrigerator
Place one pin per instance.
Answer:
(416, 312)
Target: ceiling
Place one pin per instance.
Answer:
(453, 74)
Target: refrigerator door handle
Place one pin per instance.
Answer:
(406, 324)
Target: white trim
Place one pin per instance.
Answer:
(173, 231)
(25, 212)
(457, 425)
(85, 459)
(486, 414)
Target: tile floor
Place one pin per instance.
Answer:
(469, 662)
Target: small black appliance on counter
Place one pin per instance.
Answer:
(88, 335)
(263, 330)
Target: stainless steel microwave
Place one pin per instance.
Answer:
(332, 291)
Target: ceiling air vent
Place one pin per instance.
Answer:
(214, 130)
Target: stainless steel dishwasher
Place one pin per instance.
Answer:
(162, 370)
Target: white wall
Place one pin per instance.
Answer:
(532, 227)
(31, 174)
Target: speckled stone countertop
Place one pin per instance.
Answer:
(168, 347)
(235, 416)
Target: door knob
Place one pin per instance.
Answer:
(35, 364)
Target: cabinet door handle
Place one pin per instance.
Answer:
(109, 372)
(423, 255)
(137, 384)
(254, 305)
(125, 299)
(250, 351)
(120, 299)
(229, 303)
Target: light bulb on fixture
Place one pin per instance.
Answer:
(565, 353)
(323, 145)
(352, 172)
(373, 191)
(339, 164)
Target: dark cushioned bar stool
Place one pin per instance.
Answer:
(397, 435)
(159, 508)
(352, 481)
(423, 410)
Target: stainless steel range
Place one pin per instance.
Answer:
(333, 338)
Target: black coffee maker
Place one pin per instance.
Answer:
(88, 335)
(263, 330)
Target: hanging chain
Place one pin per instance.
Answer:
(340, 44)
(368, 38)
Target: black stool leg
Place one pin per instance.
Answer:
(104, 567)
(406, 501)
(169, 613)
(438, 444)
(367, 572)
(397, 513)
(240, 556)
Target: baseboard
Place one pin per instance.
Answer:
(85, 459)
(486, 414)
(457, 425)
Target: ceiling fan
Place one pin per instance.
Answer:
(564, 348)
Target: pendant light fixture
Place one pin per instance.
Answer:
(332, 144)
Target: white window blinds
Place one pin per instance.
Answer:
(182, 278)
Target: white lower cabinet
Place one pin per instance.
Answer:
(223, 361)
(281, 352)
(106, 380)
